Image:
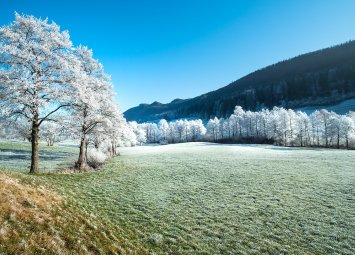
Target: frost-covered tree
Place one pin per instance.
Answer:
(141, 136)
(180, 130)
(127, 137)
(172, 132)
(317, 128)
(227, 128)
(163, 131)
(283, 119)
(292, 125)
(347, 128)
(239, 118)
(51, 132)
(16, 129)
(197, 129)
(94, 104)
(248, 122)
(334, 130)
(187, 130)
(325, 117)
(119, 132)
(213, 128)
(265, 123)
(303, 127)
(280, 126)
(234, 125)
(97, 137)
(138, 131)
(36, 73)
(152, 132)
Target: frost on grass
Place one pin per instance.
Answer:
(34, 220)
(21, 208)
(202, 198)
(206, 198)
(16, 155)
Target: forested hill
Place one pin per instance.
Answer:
(321, 78)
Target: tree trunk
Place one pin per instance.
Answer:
(326, 134)
(113, 149)
(86, 149)
(317, 138)
(35, 148)
(52, 140)
(81, 163)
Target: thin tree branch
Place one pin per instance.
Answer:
(50, 113)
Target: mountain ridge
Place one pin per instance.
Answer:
(323, 77)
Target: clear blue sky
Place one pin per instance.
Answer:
(159, 50)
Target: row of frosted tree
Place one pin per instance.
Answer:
(49, 87)
(279, 126)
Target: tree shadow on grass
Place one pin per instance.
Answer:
(21, 159)
(11, 154)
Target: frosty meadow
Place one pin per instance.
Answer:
(77, 178)
(189, 198)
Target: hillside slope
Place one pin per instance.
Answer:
(36, 220)
(317, 79)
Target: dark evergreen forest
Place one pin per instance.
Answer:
(319, 78)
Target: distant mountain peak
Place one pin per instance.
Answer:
(156, 103)
(176, 100)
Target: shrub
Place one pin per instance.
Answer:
(96, 158)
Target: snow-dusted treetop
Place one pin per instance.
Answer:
(37, 68)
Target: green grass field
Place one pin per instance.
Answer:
(202, 198)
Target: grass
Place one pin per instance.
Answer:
(16, 155)
(219, 199)
(34, 220)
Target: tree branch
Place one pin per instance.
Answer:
(50, 113)
(21, 113)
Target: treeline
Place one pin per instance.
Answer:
(50, 88)
(279, 126)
